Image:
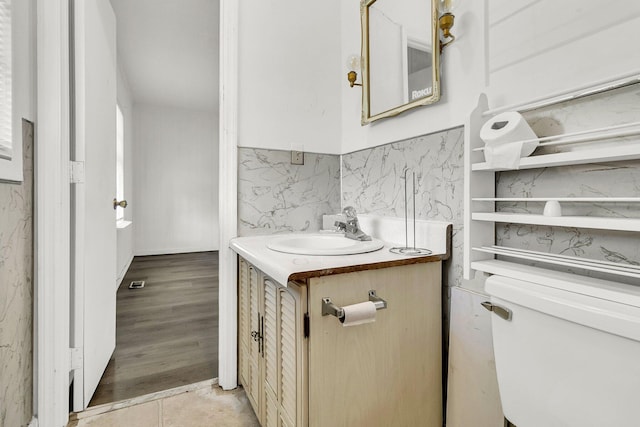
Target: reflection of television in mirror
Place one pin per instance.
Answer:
(419, 71)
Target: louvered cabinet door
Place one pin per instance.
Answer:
(292, 356)
(290, 334)
(244, 332)
(270, 353)
(270, 411)
(283, 355)
(272, 347)
(255, 326)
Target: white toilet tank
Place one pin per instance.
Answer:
(570, 354)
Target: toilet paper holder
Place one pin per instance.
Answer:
(330, 309)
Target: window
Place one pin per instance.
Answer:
(6, 141)
(119, 161)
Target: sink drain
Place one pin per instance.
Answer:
(136, 284)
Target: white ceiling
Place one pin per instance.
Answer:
(168, 50)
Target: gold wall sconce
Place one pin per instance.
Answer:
(353, 64)
(446, 20)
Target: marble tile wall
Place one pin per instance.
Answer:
(373, 182)
(594, 180)
(16, 293)
(275, 196)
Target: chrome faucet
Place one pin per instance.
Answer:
(351, 227)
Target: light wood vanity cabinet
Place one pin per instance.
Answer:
(272, 348)
(320, 373)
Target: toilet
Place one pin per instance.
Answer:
(567, 350)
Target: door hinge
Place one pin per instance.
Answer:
(75, 358)
(76, 172)
(306, 325)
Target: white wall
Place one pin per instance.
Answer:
(291, 70)
(23, 84)
(175, 180)
(125, 235)
(514, 51)
(386, 68)
(462, 81)
(293, 91)
(17, 399)
(24, 64)
(540, 47)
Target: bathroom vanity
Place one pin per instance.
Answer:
(302, 367)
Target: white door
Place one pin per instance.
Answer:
(94, 242)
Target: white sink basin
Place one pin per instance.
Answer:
(322, 244)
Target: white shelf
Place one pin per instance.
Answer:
(600, 288)
(600, 223)
(565, 261)
(623, 151)
(613, 143)
(570, 95)
(560, 199)
(600, 134)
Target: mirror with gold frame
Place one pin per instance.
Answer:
(400, 56)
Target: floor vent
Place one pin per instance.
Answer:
(136, 284)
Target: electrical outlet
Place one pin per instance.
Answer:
(297, 157)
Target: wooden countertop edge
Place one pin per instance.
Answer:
(303, 275)
(449, 232)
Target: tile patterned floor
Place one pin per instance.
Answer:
(206, 406)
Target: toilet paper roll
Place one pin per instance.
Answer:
(505, 156)
(358, 314)
(509, 127)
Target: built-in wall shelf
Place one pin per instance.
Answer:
(572, 94)
(600, 134)
(559, 199)
(607, 267)
(600, 223)
(482, 210)
(613, 153)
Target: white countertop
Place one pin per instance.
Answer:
(281, 266)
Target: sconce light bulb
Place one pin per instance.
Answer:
(448, 6)
(353, 63)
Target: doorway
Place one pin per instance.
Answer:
(52, 276)
(166, 81)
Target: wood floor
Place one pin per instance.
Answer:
(167, 332)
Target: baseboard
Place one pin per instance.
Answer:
(123, 272)
(169, 251)
(33, 422)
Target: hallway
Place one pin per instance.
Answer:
(167, 332)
